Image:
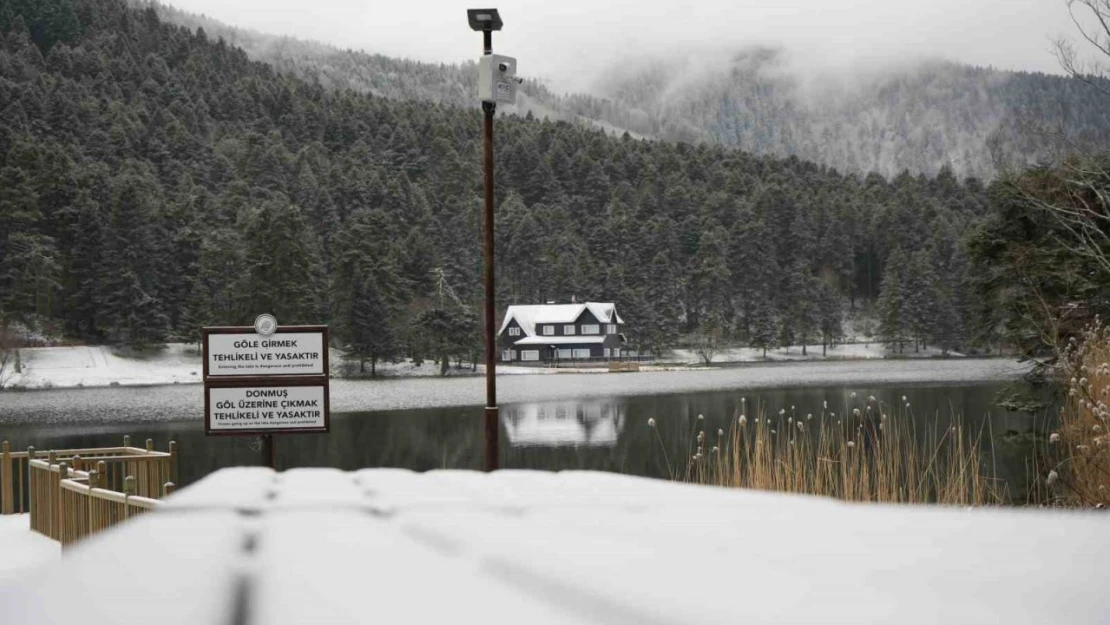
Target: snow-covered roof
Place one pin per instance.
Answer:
(560, 340)
(528, 317)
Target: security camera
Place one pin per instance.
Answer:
(497, 79)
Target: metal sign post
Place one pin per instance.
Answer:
(265, 380)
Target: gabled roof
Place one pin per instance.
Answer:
(528, 317)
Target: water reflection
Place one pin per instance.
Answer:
(554, 424)
(604, 434)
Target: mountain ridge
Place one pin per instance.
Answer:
(923, 116)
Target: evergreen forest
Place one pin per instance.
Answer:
(154, 179)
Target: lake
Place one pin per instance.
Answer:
(559, 421)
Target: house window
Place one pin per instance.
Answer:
(605, 352)
(530, 355)
(611, 328)
(582, 353)
(616, 352)
(591, 329)
(507, 354)
(514, 331)
(565, 354)
(568, 330)
(549, 330)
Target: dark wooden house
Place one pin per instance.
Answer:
(561, 332)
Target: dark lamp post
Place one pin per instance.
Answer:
(487, 21)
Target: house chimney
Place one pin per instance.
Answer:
(573, 299)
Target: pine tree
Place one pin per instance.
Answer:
(130, 310)
(198, 312)
(709, 279)
(892, 302)
(763, 326)
(921, 298)
(285, 274)
(830, 311)
(373, 336)
(449, 333)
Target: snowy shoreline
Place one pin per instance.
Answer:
(99, 366)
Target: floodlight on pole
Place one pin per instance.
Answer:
(484, 19)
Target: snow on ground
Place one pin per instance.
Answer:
(182, 402)
(848, 351)
(22, 550)
(178, 363)
(67, 367)
(324, 546)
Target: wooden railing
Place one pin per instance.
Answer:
(73, 493)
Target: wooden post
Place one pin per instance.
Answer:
(126, 440)
(102, 475)
(268, 450)
(59, 505)
(5, 479)
(90, 521)
(173, 461)
(150, 444)
(30, 492)
(77, 463)
(167, 489)
(128, 491)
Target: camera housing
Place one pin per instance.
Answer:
(497, 80)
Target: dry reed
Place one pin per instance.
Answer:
(1080, 448)
(871, 453)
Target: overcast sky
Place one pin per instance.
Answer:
(568, 41)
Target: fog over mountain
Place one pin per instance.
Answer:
(881, 115)
(572, 42)
(915, 115)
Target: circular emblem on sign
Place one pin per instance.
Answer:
(265, 324)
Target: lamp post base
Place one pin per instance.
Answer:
(492, 436)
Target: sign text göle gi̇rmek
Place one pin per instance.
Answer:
(265, 379)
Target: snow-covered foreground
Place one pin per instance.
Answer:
(22, 551)
(178, 363)
(389, 545)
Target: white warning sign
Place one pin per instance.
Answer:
(284, 353)
(268, 408)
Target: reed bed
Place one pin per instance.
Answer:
(871, 452)
(1079, 451)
